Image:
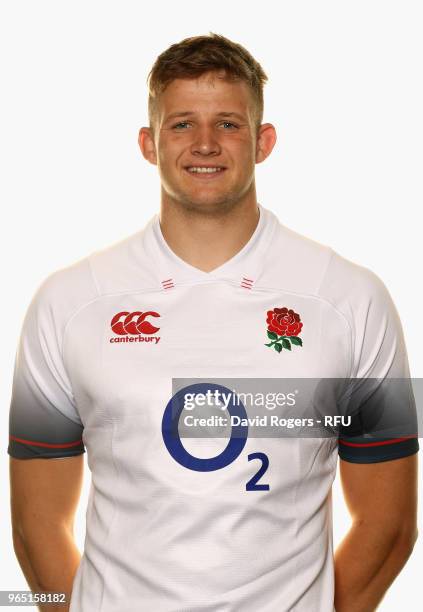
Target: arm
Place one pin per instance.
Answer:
(382, 500)
(44, 498)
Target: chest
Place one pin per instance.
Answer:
(123, 352)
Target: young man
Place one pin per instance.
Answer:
(213, 287)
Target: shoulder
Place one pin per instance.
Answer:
(120, 267)
(297, 263)
(355, 289)
(125, 266)
(58, 296)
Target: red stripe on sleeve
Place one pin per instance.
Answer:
(382, 443)
(44, 444)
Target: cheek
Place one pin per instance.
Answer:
(169, 152)
(244, 152)
(242, 144)
(166, 159)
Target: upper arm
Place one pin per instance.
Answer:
(378, 452)
(44, 492)
(385, 492)
(45, 430)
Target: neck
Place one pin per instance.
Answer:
(207, 240)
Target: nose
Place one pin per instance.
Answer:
(205, 142)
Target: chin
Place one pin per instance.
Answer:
(209, 205)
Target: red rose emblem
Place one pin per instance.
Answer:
(284, 322)
(283, 327)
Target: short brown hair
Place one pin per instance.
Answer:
(196, 55)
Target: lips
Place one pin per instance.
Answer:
(199, 168)
(205, 171)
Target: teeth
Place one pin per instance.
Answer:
(203, 170)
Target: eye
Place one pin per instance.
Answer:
(181, 125)
(228, 125)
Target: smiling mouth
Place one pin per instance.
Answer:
(205, 170)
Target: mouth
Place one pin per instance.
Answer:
(205, 172)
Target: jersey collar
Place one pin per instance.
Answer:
(243, 268)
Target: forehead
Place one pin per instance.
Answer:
(210, 92)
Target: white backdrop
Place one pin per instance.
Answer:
(344, 92)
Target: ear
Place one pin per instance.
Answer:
(266, 140)
(147, 145)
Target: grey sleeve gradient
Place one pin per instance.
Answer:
(43, 419)
(38, 429)
(384, 425)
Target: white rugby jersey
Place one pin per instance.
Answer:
(102, 341)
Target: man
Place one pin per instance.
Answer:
(213, 287)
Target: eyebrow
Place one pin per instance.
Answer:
(190, 113)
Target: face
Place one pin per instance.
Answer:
(205, 142)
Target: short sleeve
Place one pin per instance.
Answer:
(381, 401)
(43, 419)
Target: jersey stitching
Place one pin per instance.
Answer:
(350, 327)
(93, 276)
(106, 568)
(62, 348)
(297, 513)
(262, 288)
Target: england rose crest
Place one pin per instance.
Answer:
(283, 329)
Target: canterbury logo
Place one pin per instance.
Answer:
(133, 323)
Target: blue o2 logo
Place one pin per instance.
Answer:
(237, 440)
(172, 440)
